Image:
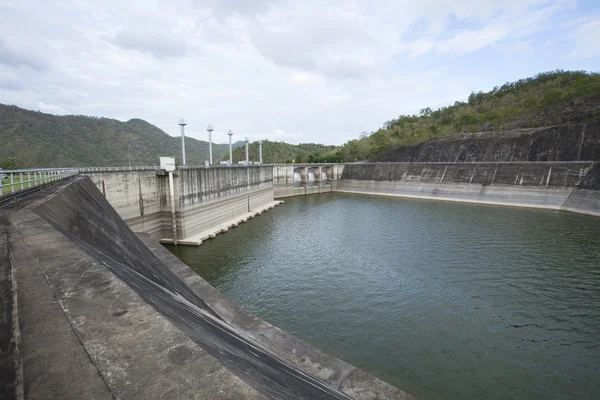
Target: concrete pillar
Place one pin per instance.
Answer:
(310, 175)
(297, 178)
(318, 177)
(304, 175)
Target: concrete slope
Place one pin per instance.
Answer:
(79, 211)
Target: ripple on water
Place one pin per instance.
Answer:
(445, 300)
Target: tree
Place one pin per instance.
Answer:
(425, 112)
(9, 163)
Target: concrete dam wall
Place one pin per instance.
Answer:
(568, 186)
(541, 167)
(103, 313)
(557, 143)
(203, 197)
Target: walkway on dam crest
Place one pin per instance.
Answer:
(95, 311)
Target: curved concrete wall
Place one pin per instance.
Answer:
(552, 185)
(204, 197)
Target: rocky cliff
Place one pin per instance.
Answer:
(578, 142)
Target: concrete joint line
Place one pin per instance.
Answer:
(344, 377)
(16, 328)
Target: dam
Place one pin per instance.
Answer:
(92, 310)
(420, 295)
(442, 299)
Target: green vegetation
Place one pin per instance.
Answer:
(33, 139)
(7, 187)
(547, 99)
(280, 152)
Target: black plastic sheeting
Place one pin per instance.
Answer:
(81, 213)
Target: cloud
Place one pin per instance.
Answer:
(519, 47)
(305, 78)
(281, 135)
(50, 108)
(586, 40)
(9, 80)
(157, 44)
(227, 8)
(469, 41)
(339, 40)
(300, 71)
(11, 57)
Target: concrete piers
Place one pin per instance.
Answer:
(197, 239)
(302, 179)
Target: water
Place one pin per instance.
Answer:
(444, 300)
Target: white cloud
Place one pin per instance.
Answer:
(50, 108)
(586, 38)
(305, 78)
(514, 48)
(21, 57)
(469, 41)
(278, 69)
(160, 45)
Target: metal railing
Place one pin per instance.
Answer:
(12, 181)
(89, 170)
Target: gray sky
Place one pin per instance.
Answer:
(297, 71)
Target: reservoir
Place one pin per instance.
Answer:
(444, 300)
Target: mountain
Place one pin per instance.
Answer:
(280, 152)
(548, 99)
(44, 140)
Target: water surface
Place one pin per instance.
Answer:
(444, 300)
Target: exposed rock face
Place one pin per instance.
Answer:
(592, 179)
(579, 142)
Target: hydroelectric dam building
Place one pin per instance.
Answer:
(94, 307)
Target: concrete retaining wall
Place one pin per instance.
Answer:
(204, 197)
(139, 196)
(555, 185)
(211, 196)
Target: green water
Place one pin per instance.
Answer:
(444, 300)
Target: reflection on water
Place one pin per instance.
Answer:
(444, 300)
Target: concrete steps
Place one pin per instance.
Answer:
(197, 239)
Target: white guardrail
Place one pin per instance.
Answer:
(12, 181)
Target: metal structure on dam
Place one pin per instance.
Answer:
(122, 318)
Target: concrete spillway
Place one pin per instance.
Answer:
(99, 314)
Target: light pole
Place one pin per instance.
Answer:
(230, 151)
(247, 151)
(182, 123)
(260, 152)
(210, 130)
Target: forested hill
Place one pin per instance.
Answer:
(548, 99)
(280, 152)
(44, 140)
